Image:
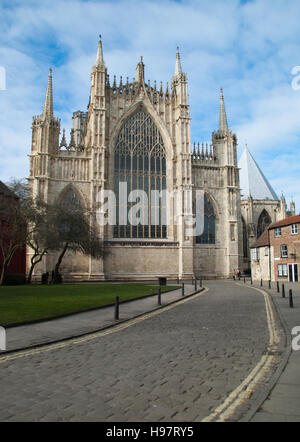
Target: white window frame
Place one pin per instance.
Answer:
(294, 229)
(284, 251)
(282, 270)
(253, 255)
(277, 232)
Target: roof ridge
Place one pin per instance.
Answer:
(285, 222)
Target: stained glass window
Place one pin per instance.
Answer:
(263, 222)
(245, 238)
(140, 164)
(70, 200)
(209, 235)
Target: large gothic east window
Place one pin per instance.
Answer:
(209, 233)
(140, 167)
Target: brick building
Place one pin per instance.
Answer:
(276, 254)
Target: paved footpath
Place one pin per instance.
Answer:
(81, 323)
(283, 403)
(177, 364)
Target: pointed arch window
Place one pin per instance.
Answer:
(263, 222)
(70, 200)
(209, 233)
(245, 239)
(140, 165)
(69, 214)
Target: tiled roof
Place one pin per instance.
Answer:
(286, 222)
(262, 241)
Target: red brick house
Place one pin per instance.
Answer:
(18, 262)
(276, 254)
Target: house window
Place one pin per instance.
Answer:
(255, 254)
(294, 229)
(282, 270)
(266, 251)
(284, 251)
(277, 232)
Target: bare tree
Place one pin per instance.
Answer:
(42, 230)
(75, 231)
(24, 221)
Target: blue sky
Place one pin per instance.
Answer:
(247, 47)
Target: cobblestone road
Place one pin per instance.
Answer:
(176, 366)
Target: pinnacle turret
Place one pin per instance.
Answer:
(99, 57)
(178, 69)
(140, 72)
(223, 125)
(48, 105)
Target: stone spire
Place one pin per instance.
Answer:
(178, 69)
(223, 126)
(99, 57)
(48, 106)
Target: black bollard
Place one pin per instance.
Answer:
(182, 289)
(159, 296)
(195, 284)
(278, 287)
(261, 282)
(283, 291)
(251, 281)
(117, 308)
(269, 284)
(291, 298)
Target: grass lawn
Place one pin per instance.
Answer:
(20, 304)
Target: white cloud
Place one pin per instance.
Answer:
(248, 49)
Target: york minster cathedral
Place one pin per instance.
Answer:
(139, 134)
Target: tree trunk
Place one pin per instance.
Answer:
(56, 278)
(33, 264)
(6, 262)
(3, 272)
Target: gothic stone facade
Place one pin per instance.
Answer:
(140, 134)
